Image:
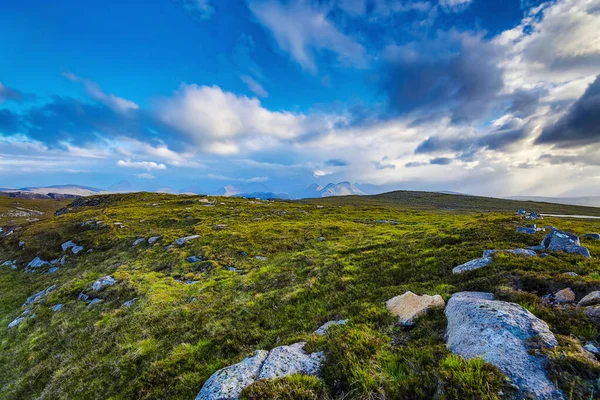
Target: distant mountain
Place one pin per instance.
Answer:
(121, 187)
(593, 201)
(263, 195)
(332, 189)
(233, 190)
(51, 192)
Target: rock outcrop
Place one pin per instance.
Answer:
(501, 334)
(564, 296)
(228, 383)
(472, 265)
(558, 240)
(103, 282)
(591, 299)
(35, 264)
(409, 306)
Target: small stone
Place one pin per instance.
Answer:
(261, 258)
(38, 296)
(472, 265)
(220, 227)
(36, 263)
(118, 225)
(323, 329)
(564, 296)
(103, 283)
(570, 274)
(57, 307)
(409, 306)
(130, 302)
(17, 321)
(63, 260)
(529, 231)
(154, 239)
(83, 297)
(321, 238)
(181, 241)
(21, 244)
(591, 299)
(53, 270)
(595, 236)
(194, 259)
(9, 263)
(243, 254)
(95, 301)
(591, 348)
(139, 241)
(77, 249)
(67, 245)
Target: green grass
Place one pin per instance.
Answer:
(176, 335)
(14, 211)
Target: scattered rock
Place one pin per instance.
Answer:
(154, 239)
(76, 249)
(95, 301)
(232, 269)
(321, 238)
(592, 349)
(194, 259)
(519, 252)
(21, 244)
(521, 211)
(472, 265)
(103, 282)
(130, 302)
(38, 296)
(570, 274)
(534, 215)
(591, 299)
(409, 306)
(321, 331)
(243, 254)
(261, 258)
(228, 383)
(27, 314)
(139, 241)
(35, 264)
(181, 241)
(592, 236)
(592, 312)
(83, 297)
(500, 333)
(558, 240)
(288, 360)
(67, 245)
(53, 270)
(523, 229)
(57, 307)
(10, 263)
(220, 227)
(564, 296)
(387, 221)
(63, 260)
(118, 225)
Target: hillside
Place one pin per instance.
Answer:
(269, 273)
(15, 211)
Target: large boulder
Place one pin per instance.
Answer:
(409, 306)
(501, 333)
(558, 240)
(472, 265)
(591, 299)
(228, 383)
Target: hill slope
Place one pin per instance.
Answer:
(324, 259)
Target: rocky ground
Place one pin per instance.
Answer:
(155, 296)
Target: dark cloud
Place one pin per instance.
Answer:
(336, 163)
(440, 161)
(581, 125)
(525, 102)
(414, 164)
(10, 123)
(457, 73)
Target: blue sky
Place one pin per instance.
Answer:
(480, 96)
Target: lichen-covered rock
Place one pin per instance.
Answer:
(321, 331)
(409, 306)
(501, 333)
(472, 265)
(228, 383)
(591, 299)
(564, 296)
(288, 360)
(103, 282)
(181, 241)
(558, 240)
(67, 245)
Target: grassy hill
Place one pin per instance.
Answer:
(14, 211)
(191, 319)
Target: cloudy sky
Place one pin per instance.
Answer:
(491, 97)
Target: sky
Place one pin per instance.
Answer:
(487, 97)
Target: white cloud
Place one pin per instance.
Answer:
(148, 165)
(117, 104)
(302, 29)
(145, 176)
(254, 86)
(256, 179)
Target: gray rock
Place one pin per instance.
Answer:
(228, 383)
(409, 306)
(53, 270)
(103, 283)
(129, 303)
(523, 229)
(321, 239)
(63, 260)
(83, 297)
(564, 296)
(592, 312)
(57, 307)
(10, 263)
(591, 299)
(76, 249)
(261, 258)
(499, 332)
(95, 301)
(139, 241)
(539, 247)
(592, 349)
(154, 239)
(288, 360)
(38, 296)
(592, 236)
(118, 225)
(194, 259)
(570, 273)
(558, 240)
(67, 245)
(472, 265)
(181, 241)
(321, 331)
(21, 243)
(36, 263)
(519, 252)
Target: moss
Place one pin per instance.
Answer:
(294, 387)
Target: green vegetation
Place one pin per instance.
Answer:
(14, 211)
(167, 343)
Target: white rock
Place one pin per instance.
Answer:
(288, 360)
(499, 332)
(409, 306)
(228, 383)
(103, 282)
